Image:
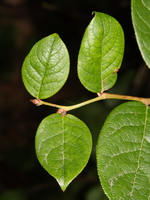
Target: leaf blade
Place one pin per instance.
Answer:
(123, 151)
(46, 67)
(101, 53)
(63, 147)
(140, 19)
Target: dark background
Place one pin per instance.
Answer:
(22, 23)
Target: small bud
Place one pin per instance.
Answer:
(99, 94)
(37, 102)
(61, 111)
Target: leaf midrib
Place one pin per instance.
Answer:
(45, 67)
(63, 155)
(140, 152)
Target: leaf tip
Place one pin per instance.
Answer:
(62, 185)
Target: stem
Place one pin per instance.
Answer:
(145, 101)
(101, 96)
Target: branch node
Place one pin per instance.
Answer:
(37, 102)
(100, 94)
(61, 111)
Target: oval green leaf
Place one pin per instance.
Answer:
(63, 147)
(123, 152)
(101, 53)
(141, 24)
(46, 67)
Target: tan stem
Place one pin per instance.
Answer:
(101, 96)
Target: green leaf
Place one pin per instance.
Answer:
(46, 67)
(123, 152)
(63, 147)
(101, 53)
(141, 24)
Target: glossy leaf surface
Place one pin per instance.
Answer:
(63, 147)
(141, 24)
(46, 67)
(101, 53)
(123, 152)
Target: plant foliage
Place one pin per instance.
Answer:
(46, 67)
(140, 18)
(63, 142)
(123, 152)
(101, 53)
(63, 147)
